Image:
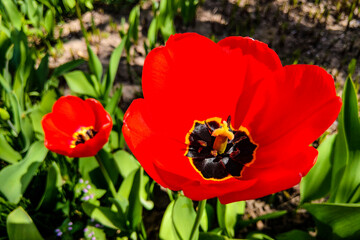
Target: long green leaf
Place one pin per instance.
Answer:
(13, 13)
(7, 153)
(94, 64)
(66, 67)
(113, 67)
(167, 229)
(19, 225)
(317, 182)
(79, 83)
(336, 221)
(183, 217)
(16, 177)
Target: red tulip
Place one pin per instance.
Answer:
(76, 127)
(227, 120)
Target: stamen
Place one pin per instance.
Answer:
(222, 136)
(81, 136)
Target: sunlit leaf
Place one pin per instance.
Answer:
(125, 162)
(183, 216)
(336, 221)
(7, 153)
(103, 215)
(16, 177)
(317, 182)
(19, 225)
(66, 67)
(13, 13)
(79, 83)
(167, 229)
(94, 64)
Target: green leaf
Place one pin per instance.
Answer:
(94, 64)
(295, 235)
(352, 67)
(228, 215)
(211, 236)
(80, 84)
(349, 128)
(53, 185)
(49, 21)
(103, 215)
(134, 23)
(258, 236)
(167, 229)
(7, 153)
(113, 67)
(114, 101)
(317, 182)
(135, 207)
(19, 226)
(66, 67)
(208, 218)
(153, 32)
(125, 162)
(336, 221)
(13, 13)
(47, 101)
(183, 217)
(95, 233)
(16, 177)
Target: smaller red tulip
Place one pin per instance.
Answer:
(76, 127)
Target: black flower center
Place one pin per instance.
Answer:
(81, 136)
(217, 151)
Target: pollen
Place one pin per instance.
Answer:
(222, 135)
(82, 135)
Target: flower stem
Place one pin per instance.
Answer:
(78, 14)
(199, 214)
(106, 176)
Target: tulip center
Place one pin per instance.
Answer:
(217, 151)
(82, 135)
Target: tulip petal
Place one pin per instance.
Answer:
(199, 87)
(71, 113)
(259, 50)
(297, 104)
(272, 180)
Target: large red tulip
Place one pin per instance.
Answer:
(76, 127)
(227, 120)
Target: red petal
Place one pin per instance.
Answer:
(297, 104)
(102, 118)
(259, 50)
(191, 78)
(55, 139)
(272, 180)
(70, 113)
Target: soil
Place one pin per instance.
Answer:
(303, 32)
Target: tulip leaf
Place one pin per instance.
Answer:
(80, 84)
(16, 177)
(7, 153)
(349, 129)
(207, 218)
(167, 228)
(228, 215)
(258, 236)
(183, 217)
(113, 67)
(53, 185)
(66, 67)
(317, 182)
(135, 207)
(94, 232)
(211, 236)
(94, 64)
(295, 235)
(125, 162)
(13, 13)
(336, 221)
(104, 215)
(19, 225)
(114, 101)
